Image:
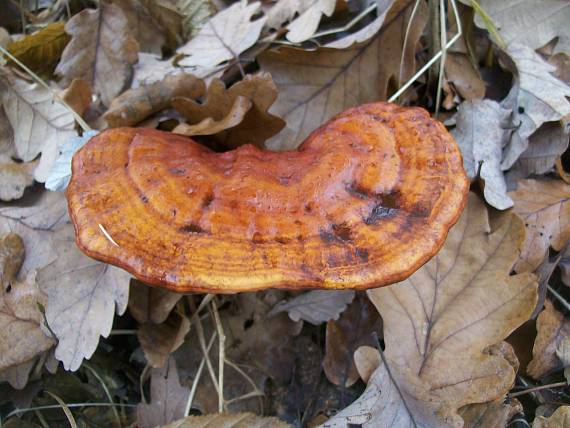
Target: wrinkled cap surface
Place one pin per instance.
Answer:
(365, 201)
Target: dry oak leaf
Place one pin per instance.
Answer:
(40, 124)
(552, 328)
(305, 25)
(83, 295)
(102, 50)
(21, 335)
(529, 22)
(224, 36)
(196, 13)
(385, 404)
(137, 104)
(559, 419)
(439, 322)
(535, 98)
(228, 420)
(237, 115)
(366, 359)
(314, 86)
(544, 205)
(316, 307)
(345, 336)
(480, 134)
(158, 341)
(40, 51)
(151, 304)
(495, 414)
(167, 398)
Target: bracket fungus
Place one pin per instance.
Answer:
(363, 202)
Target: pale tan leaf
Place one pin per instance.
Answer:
(494, 414)
(305, 25)
(544, 205)
(18, 375)
(439, 323)
(228, 420)
(83, 296)
(552, 328)
(102, 50)
(529, 22)
(285, 10)
(392, 400)
(535, 98)
(167, 398)
(316, 306)
(559, 419)
(137, 104)
(236, 116)
(196, 13)
(160, 340)
(143, 26)
(314, 86)
(40, 124)
(548, 143)
(21, 335)
(15, 177)
(480, 135)
(223, 37)
(151, 304)
(367, 359)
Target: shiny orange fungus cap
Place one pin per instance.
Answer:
(365, 201)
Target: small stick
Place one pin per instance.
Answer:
(538, 388)
(197, 377)
(222, 355)
(202, 340)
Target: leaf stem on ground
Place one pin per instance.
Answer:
(538, 388)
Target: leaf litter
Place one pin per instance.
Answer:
(233, 73)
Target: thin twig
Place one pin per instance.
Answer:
(202, 341)
(19, 412)
(432, 60)
(408, 29)
(55, 97)
(221, 356)
(197, 377)
(538, 388)
(443, 37)
(558, 297)
(106, 389)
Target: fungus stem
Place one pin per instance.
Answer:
(221, 356)
(197, 378)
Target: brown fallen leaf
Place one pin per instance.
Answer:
(552, 328)
(316, 85)
(316, 307)
(78, 95)
(102, 50)
(15, 177)
(170, 17)
(544, 206)
(40, 51)
(196, 13)
(238, 115)
(228, 420)
(559, 419)
(151, 304)
(158, 341)
(366, 359)
(21, 335)
(167, 398)
(143, 26)
(495, 414)
(439, 322)
(536, 97)
(83, 296)
(465, 79)
(39, 123)
(137, 104)
(344, 336)
(225, 36)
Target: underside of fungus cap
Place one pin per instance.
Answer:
(364, 202)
